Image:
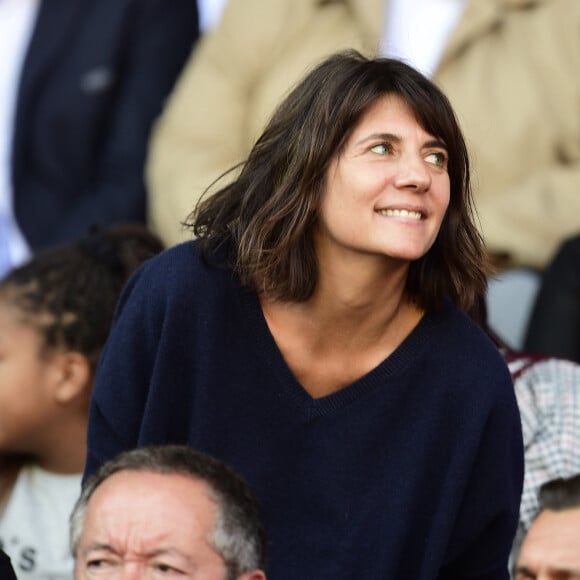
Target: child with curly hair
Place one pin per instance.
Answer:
(55, 314)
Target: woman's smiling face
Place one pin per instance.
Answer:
(388, 190)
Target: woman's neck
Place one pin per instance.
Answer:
(354, 289)
(330, 341)
(351, 308)
(356, 318)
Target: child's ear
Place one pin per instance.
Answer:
(74, 377)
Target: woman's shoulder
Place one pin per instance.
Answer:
(460, 328)
(183, 255)
(182, 266)
(466, 346)
(179, 276)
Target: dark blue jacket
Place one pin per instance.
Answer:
(95, 77)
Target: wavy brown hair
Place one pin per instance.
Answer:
(264, 219)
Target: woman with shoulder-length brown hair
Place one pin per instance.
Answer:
(314, 338)
(267, 215)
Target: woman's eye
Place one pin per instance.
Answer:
(381, 149)
(437, 158)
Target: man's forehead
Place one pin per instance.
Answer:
(132, 492)
(553, 543)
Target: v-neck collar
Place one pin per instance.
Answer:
(306, 405)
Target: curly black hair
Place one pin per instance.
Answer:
(69, 292)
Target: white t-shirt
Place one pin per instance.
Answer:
(34, 526)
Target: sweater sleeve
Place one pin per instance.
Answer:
(123, 376)
(487, 520)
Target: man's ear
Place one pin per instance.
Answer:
(254, 575)
(73, 379)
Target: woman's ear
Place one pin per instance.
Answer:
(74, 377)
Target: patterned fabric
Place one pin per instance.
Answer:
(548, 395)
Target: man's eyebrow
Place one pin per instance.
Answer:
(95, 546)
(562, 572)
(566, 572)
(523, 570)
(162, 551)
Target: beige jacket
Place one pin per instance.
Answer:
(511, 70)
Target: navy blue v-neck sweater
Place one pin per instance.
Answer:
(413, 471)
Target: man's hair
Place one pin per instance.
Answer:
(237, 537)
(561, 494)
(263, 222)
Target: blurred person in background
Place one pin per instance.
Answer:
(554, 324)
(551, 550)
(80, 85)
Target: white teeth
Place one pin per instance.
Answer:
(404, 213)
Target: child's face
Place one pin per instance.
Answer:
(27, 377)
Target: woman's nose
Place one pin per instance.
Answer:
(412, 173)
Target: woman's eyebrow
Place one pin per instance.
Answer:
(391, 137)
(383, 136)
(435, 143)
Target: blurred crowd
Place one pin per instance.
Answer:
(132, 131)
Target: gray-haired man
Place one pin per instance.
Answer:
(163, 510)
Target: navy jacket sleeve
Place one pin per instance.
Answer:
(86, 108)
